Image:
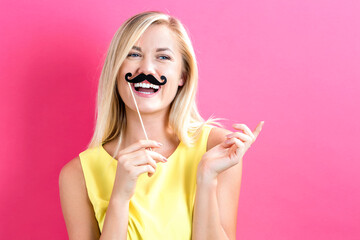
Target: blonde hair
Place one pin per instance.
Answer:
(184, 117)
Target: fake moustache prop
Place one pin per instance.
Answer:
(142, 77)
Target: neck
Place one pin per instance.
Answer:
(155, 124)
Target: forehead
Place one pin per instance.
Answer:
(157, 36)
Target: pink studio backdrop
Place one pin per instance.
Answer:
(294, 64)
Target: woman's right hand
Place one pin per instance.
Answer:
(133, 161)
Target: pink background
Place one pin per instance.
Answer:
(294, 64)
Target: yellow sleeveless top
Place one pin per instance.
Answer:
(162, 205)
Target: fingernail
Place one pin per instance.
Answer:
(229, 135)
(228, 141)
(165, 159)
(160, 144)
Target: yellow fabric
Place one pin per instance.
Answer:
(162, 206)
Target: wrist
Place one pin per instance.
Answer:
(206, 184)
(119, 199)
(205, 174)
(205, 177)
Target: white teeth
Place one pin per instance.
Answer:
(146, 85)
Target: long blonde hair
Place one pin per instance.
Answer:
(184, 117)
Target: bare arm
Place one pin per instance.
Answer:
(79, 213)
(76, 207)
(207, 224)
(116, 219)
(216, 201)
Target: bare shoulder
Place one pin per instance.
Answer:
(77, 209)
(71, 178)
(71, 172)
(216, 136)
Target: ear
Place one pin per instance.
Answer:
(182, 80)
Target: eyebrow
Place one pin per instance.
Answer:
(136, 48)
(157, 50)
(163, 49)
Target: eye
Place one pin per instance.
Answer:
(164, 57)
(133, 55)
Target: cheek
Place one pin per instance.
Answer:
(122, 89)
(172, 90)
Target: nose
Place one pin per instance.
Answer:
(147, 66)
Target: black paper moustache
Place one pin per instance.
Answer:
(142, 77)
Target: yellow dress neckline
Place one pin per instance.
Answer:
(109, 156)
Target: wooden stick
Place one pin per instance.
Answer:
(137, 109)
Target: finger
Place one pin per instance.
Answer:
(229, 142)
(143, 169)
(240, 146)
(147, 160)
(141, 144)
(239, 143)
(245, 128)
(144, 152)
(144, 161)
(144, 156)
(157, 156)
(241, 136)
(258, 129)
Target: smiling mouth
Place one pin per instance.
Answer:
(145, 90)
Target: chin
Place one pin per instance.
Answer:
(149, 110)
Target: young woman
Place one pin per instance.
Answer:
(146, 96)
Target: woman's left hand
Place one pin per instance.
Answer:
(228, 153)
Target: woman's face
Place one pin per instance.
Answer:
(156, 52)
